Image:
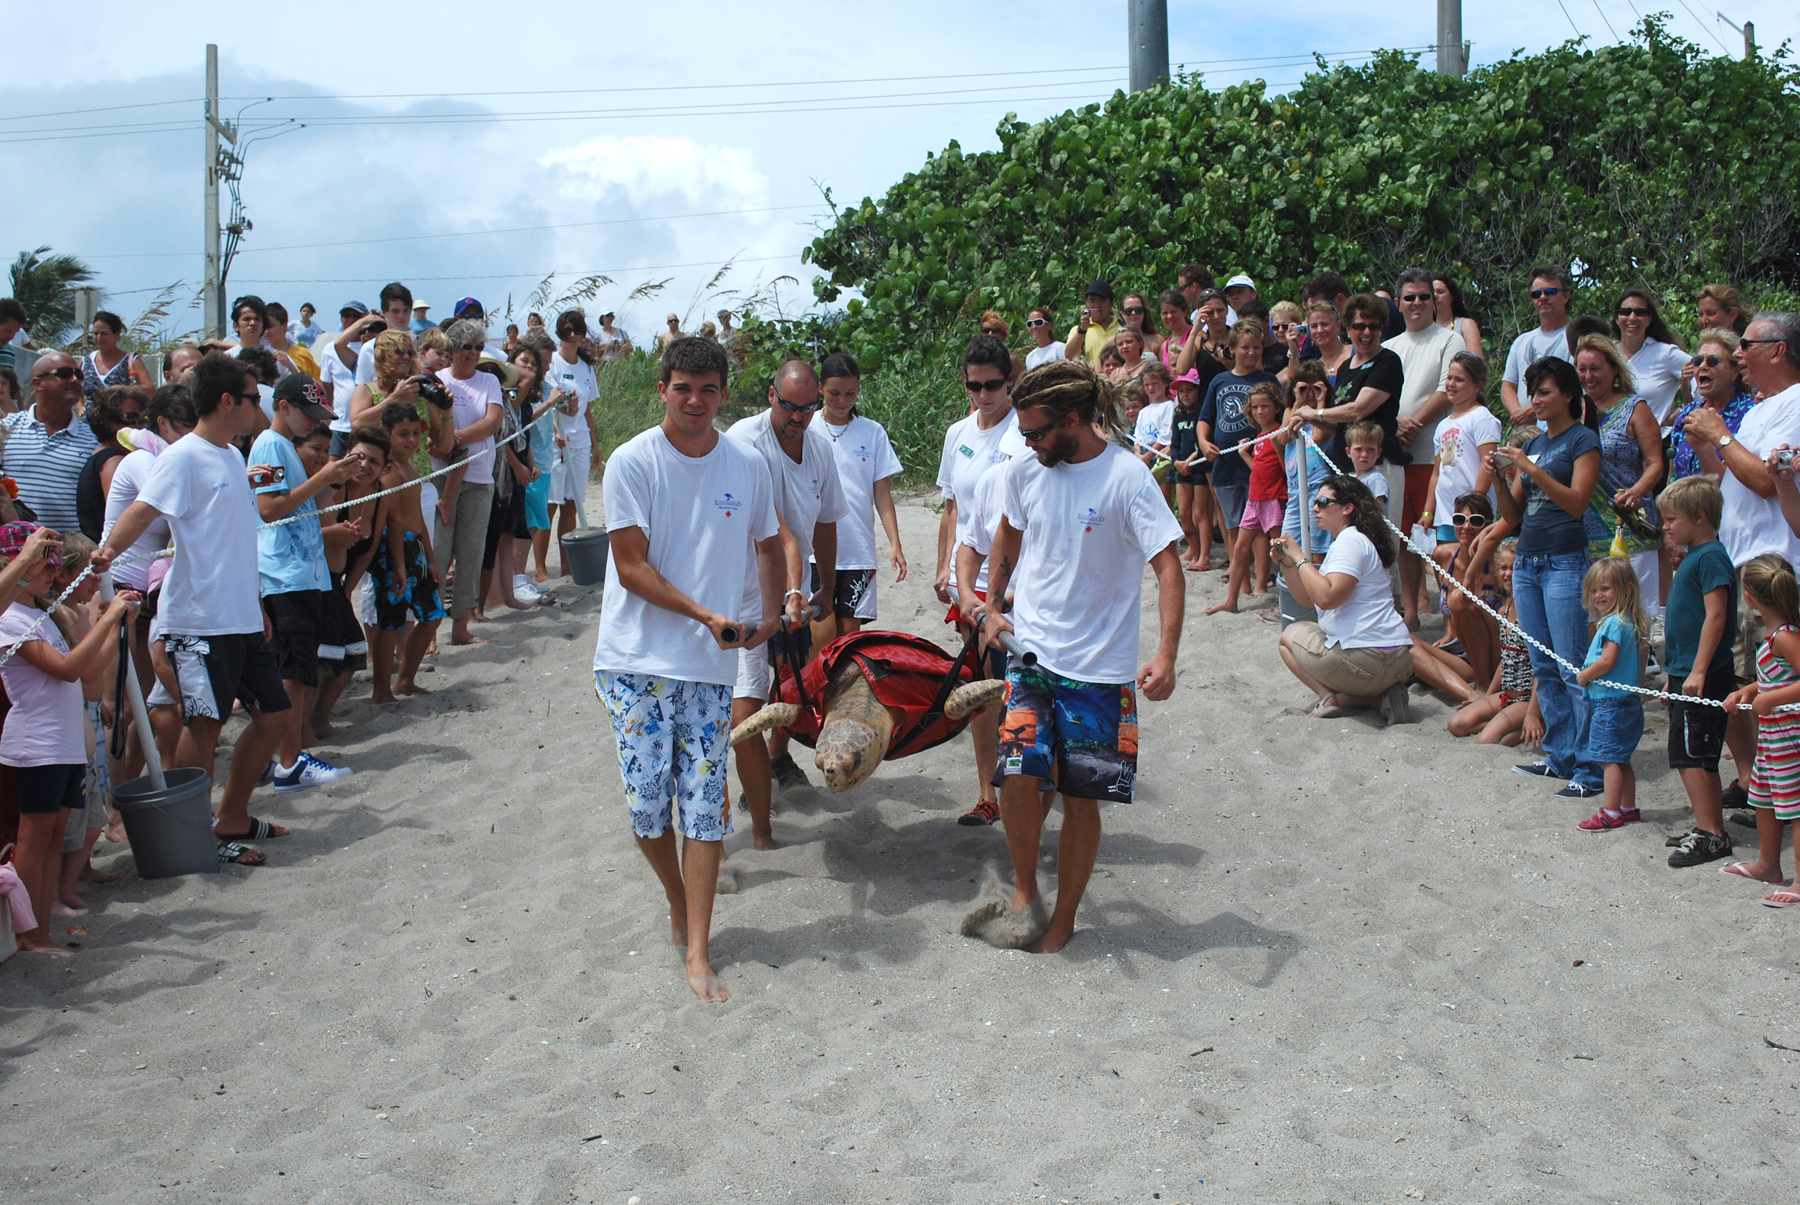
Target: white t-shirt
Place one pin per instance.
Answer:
(1752, 525)
(968, 453)
(1377, 482)
(1531, 347)
(1367, 618)
(806, 493)
(365, 362)
(343, 381)
(204, 491)
(1049, 353)
(472, 398)
(701, 515)
(984, 519)
(1425, 359)
(128, 481)
(46, 724)
(1088, 531)
(864, 456)
(1456, 445)
(1656, 376)
(1155, 425)
(576, 379)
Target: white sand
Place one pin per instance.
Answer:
(458, 968)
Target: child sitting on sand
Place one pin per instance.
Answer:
(1507, 713)
(401, 566)
(1268, 496)
(1775, 776)
(1614, 660)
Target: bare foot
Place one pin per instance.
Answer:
(1194, 566)
(322, 730)
(34, 946)
(115, 832)
(384, 698)
(1228, 606)
(470, 639)
(540, 577)
(1054, 939)
(89, 874)
(411, 688)
(706, 985)
(763, 838)
(67, 906)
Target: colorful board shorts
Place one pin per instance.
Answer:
(1084, 732)
(673, 740)
(395, 595)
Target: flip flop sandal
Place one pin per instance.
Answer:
(1781, 899)
(239, 855)
(259, 830)
(1739, 870)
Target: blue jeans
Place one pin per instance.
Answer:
(1547, 593)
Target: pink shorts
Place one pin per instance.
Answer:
(1263, 516)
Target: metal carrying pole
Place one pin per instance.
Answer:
(134, 696)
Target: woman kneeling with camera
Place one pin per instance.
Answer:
(1359, 654)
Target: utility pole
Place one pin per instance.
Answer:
(1749, 32)
(1147, 33)
(220, 164)
(1452, 51)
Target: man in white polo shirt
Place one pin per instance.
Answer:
(684, 509)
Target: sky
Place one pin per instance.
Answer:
(473, 150)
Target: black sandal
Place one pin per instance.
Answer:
(240, 855)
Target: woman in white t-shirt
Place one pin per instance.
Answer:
(1651, 352)
(1359, 654)
(1047, 348)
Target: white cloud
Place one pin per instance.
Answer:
(649, 166)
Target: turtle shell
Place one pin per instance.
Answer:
(906, 672)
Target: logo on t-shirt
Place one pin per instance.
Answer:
(728, 503)
(966, 450)
(1089, 518)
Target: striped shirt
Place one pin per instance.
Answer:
(47, 467)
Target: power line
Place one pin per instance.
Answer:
(1572, 25)
(415, 238)
(1603, 17)
(1711, 32)
(704, 263)
(149, 104)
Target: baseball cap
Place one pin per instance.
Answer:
(1240, 281)
(305, 395)
(465, 305)
(1099, 289)
(13, 537)
(606, 313)
(1190, 377)
(353, 307)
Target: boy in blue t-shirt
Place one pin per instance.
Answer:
(291, 566)
(1698, 628)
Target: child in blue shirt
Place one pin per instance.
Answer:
(1614, 660)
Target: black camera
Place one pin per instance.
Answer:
(434, 392)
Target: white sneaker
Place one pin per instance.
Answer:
(525, 592)
(309, 771)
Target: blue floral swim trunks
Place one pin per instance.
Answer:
(673, 739)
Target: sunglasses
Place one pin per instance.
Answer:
(1462, 520)
(1550, 292)
(1366, 326)
(985, 386)
(1134, 309)
(995, 331)
(1415, 298)
(255, 398)
(792, 408)
(132, 418)
(1633, 311)
(1709, 361)
(468, 347)
(1741, 343)
(1032, 434)
(64, 373)
(1037, 322)
(1322, 500)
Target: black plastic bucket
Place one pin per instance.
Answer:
(584, 555)
(170, 830)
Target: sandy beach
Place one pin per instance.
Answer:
(1319, 961)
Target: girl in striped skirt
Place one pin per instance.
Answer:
(1775, 779)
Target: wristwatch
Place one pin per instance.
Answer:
(1725, 441)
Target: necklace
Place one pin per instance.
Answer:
(836, 433)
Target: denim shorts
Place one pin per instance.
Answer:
(1614, 729)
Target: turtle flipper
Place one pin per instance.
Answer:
(773, 715)
(973, 696)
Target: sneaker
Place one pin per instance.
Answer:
(525, 592)
(985, 812)
(1681, 838)
(1735, 796)
(1576, 791)
(1600, 821)
(1536, 769)
(268, 774)
(1699, 847)
(786, 774)
(1394, 706)
(309, 771)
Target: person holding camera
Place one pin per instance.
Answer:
(1088, 337)
(460, 532)
(397, 379)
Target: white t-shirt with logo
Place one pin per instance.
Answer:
(471, 398)
(701, 515)
(1751, 524)
(204, 491)
(968, 453)
(1155, 425)
(1531, 347)
(578, 381)
(1367, 618)
(807, 492)
(1088, 531)
(1457, 444)
(1656, 376)
(1425, 361)
(864, 456)
(984, 519)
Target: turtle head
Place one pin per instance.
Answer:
(848, 752)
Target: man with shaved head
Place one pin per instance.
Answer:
(809, 501)
(46, 448)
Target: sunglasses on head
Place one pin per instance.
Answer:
(1549, 292)
(1461, 520)
(984, 386)
(64, 373)
(1633, 311)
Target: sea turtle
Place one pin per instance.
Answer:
(871, 696)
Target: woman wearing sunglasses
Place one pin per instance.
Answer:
(1719, 387)
(1359, 653)
(1046, 349)
(1622, 516)
(1651, 352)
(1135, 315)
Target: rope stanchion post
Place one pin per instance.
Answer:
(140, 714)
